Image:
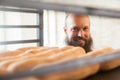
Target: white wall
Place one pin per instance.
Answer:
(53, 28)
(105, 32)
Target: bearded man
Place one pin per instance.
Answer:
(77, 30)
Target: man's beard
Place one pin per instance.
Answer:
(73, 42)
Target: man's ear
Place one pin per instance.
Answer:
(65, 29)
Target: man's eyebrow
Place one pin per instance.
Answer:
(86, 26)
(75, 27)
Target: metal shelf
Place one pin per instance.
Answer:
(19, 42)
(19, 26)
(92, 7)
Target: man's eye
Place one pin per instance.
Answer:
(75, 29)
(85, 28)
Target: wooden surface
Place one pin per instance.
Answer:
(108, 75)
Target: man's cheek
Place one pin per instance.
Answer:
(71, 36)
(86, 37)
(74, 34)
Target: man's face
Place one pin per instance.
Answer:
(78, 30)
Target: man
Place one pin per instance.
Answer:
(77, 30)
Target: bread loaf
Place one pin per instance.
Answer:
(10, 53)
(16, 54)
(30, 63)
(3, 72)
(19, 51)
(28, 48)
(30, 53)
(73, 74)
(28, 78)
(106, 65)
(111, 64)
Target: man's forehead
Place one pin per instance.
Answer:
(78, 19)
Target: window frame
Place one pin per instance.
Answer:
(39, 27)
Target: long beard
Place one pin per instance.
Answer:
(87, 46)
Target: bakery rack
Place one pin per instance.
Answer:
(94, 7)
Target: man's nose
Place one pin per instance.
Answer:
(80, 34)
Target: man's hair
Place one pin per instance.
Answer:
(67, 15)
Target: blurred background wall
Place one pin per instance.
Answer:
(105, 31)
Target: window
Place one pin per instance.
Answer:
(20, 28)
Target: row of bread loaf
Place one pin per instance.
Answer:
(31, 58)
